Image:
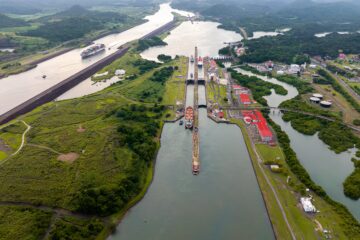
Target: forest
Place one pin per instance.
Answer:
(150, 42)
(297, 42)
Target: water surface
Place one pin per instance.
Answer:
(18, 88)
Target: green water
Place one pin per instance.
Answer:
(223, 202)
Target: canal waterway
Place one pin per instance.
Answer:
(18, 88)
(224, 201)
(325, 167)
(183, 39)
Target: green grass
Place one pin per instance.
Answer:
(23, 223)
(11, 135)
(3, 155)
(175, 87)
(124, 62)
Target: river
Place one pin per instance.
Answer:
(18, 88)
(325, 167)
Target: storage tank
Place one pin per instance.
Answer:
(325, 104)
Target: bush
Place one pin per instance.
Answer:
(352, 182)
(150, 42)
(356, 122)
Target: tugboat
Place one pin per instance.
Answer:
(195, 168)
(93, 50)
(189, 117)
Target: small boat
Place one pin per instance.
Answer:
(192, 59)
(44, 76)
(181, 122)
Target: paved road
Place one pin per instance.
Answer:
(347, 87)
(259, 163)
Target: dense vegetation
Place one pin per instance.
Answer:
(331, 80)
(145, 65)
(23, 222)
(352, 182)
(258, 87)
(7, 22)
(164, 58)
(288, 47)
(60, 26)
(150, 42)
(64, 30)
(336, 135)
(162, 75)
(351, 226)
(301, 85)
(137, 128)
(72, 228)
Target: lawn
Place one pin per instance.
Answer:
(175, 87)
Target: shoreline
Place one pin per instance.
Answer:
(117, 218)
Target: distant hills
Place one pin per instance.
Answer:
(74, 23)
(6, 22)
(78, 11)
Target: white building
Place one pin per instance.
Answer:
(294, 69)
(120, 72)
(307, 205)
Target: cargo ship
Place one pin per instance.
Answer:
(200, 62)
(189, 118)
(93, 50)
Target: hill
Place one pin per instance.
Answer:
(6, 22)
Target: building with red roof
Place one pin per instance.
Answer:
(256, 118)
(245, 98)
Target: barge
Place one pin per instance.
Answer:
(189, 117)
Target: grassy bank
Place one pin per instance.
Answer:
(93, 154)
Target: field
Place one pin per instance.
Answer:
(10, 138)
(81, 147)
(175, 87)
(23, 222)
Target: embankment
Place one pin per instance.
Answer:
(62, 87)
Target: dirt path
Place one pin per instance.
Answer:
(44, 147)
(28, 127)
